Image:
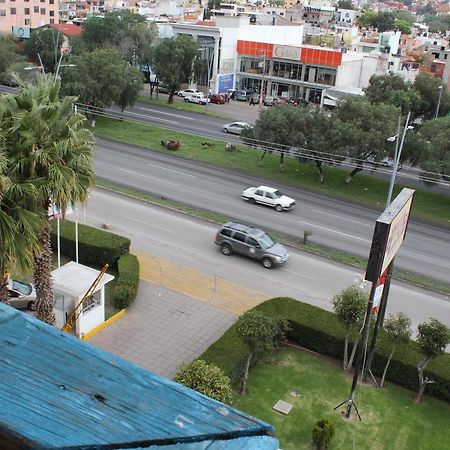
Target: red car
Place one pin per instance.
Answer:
(217, 98)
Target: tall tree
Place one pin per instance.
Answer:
(363, 129)
(100, 78)
(429, 89)
(349, 306)
(19, 226)
(45, 44)
(433, 337)
(260, 334)
(434, 158)
(174, 61)
(8, 58)
(398, 328)
(52, 148)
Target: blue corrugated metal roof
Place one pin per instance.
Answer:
(56, 391)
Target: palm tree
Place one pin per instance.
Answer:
(19, 227)
(55, 151)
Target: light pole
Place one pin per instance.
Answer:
(263, 69)
(209, 62)
(441, 87)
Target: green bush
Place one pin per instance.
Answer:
(95, 247)
(319, 330)
(322, 433)
(127, 284)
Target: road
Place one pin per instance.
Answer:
(176, 237)
(334, 223)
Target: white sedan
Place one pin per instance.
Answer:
(21, 295)
(268, 196)
(187, 92)
(235, 127)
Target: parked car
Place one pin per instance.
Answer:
(245, 240)
(241, 96)
(21, 295)
(200, 99)
(163, 88)
(217, 98)
(235, 127)
(385, 162)
(268, 196)
(186, 92)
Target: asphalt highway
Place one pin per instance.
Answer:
(334, 223)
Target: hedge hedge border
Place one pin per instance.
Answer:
(97, 248)
(320, 331)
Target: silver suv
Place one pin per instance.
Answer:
(238, 238)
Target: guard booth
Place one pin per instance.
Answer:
(70, 284)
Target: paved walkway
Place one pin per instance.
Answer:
(178, 313)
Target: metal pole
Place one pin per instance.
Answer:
(263, 54)
(209, 62)
(361, 347)
(59, 243)
(76, 233)
(439, 101)
(394, 166)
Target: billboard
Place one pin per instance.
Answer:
(226, 82)
(21, 32)
(389, 234)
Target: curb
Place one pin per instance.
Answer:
(103, 325)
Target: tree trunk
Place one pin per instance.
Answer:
(352, 356)
(319, 170)
(262, 157)
(353, 173)
(282, 162)
(43, 279)
(386, 367)
(346, 349)
(170, 99)
(422, 382)
(4, 288)
(247, 367)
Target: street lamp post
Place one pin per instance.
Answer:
(441, 87)
(209, 62)
(263, 70)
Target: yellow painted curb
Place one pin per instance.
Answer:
(103, 325)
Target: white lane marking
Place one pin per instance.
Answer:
(172, 170)
(150, 178)
(343, 218)
(334, 231)
(150, 225)
(166, 113)
(145, 116)
(299, 274)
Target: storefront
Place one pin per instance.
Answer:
(286, 71)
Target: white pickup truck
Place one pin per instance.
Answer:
(196, 98)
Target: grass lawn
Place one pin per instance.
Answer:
(390, 418)
(363, 189)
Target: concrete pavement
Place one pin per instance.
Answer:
(178, 313)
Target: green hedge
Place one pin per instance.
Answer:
(319, 330)
(127, 284)
(95, 247)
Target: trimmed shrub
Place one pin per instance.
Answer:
(322, 433)
(127, 284)
(320, 331)
(95, 247)
(207, 379)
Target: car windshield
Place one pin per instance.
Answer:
(266, 241)
(277, 194)
(20, 286)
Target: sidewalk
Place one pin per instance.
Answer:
(178, 313)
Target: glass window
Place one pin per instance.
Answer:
(52, 20)
(36, 9)
(52, 13)
(252, 242)
(42, 11)
(225, 232)
(266, 241)
(13, 11)
(239, 236)
(51, 2)
(27, 21)
(259, 192)
(91, 302)
(26, 11)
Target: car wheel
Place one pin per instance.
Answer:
(267, 263)
(252, 201)
(279, 208)
(31, 305)
(186, 100)
(225, 130)
(226, 249)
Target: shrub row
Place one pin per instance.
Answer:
(95, 247)
(320, 331)
(127, 284)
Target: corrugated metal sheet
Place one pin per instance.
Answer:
(58, 392)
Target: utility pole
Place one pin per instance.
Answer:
(263, 68)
